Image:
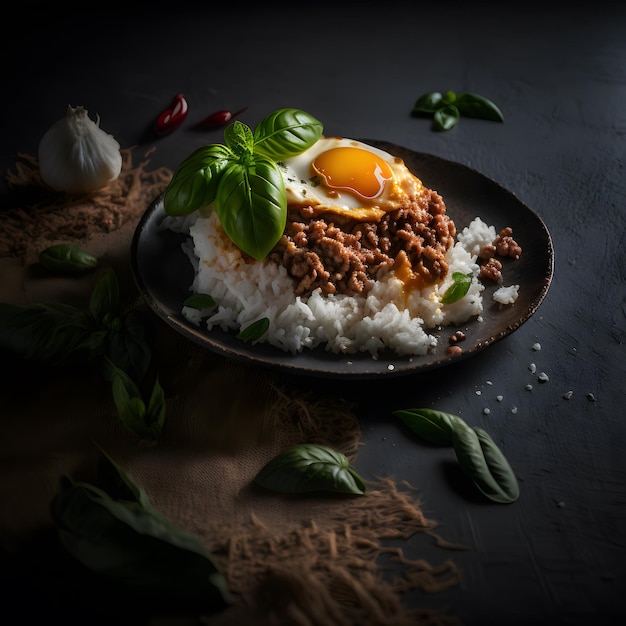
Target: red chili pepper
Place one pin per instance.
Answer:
(219, 118)
(173, 117)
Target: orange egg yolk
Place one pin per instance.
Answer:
(354, 169)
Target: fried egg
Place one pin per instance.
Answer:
(348, 177)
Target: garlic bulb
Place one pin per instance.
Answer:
(77, 156)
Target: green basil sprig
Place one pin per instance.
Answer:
(310, 467)
(199, 301)
(478, 455)
(484, 463)
(458, 289)
(434, 426)
(67, 258)
(60, 334)
(241, 178)
(112, 528)
(255, 330)
(448, 108)
(145, 420)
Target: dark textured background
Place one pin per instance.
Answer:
(558, 555)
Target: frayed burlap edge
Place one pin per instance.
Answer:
(327, 569)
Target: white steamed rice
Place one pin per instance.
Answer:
(246, 291)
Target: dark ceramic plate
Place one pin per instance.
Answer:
(163, 274)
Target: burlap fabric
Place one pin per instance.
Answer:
(302, 560)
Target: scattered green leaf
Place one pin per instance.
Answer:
(112, 529)
(447, 109)
(60, 334)
(51, 333)
(458, 289)
(146, 421)
(479, 457)
(311, 467)
(428, 102)
(446, 117)
(434, 426)
(68, 259)
(485, 465)
(199, 301)
(473, 105)
(254, 331)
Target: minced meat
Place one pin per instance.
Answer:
(340, 255)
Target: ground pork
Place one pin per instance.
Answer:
(341, 255)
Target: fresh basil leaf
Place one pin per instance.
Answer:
(254, 331)
(48, 333)
(458, 289)
(310, 467)
(239, 139)
(125, 539)
(146, 422)
(484, 464)
(105, 297)
(67, 258)
(286, 133)
(448, 108)
(446, 117)
(428, 102)
(194, 182)
(155, 415)
(479, 457)
(473, 105)
(128, 402)
(199, 301)
(124, 388)
(252, 206)
(129, 346)
(436, 427)
(448, 98)
(96, 343)
(117, 484)
(56, 333)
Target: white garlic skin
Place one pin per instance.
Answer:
(76, 156)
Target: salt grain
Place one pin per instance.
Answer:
(486, 411)
(543, 377)
(533, 368)
(529, 387)
(536, 347)
(568, 395)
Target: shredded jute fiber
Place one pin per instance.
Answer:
(302, 560)
(38, 215)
